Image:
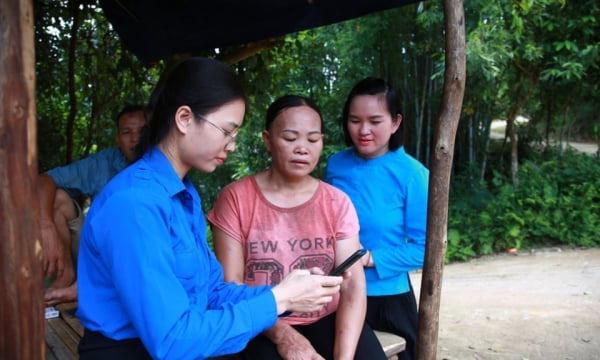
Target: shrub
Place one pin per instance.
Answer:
(557, 203)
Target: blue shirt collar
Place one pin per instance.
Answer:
(157, 161)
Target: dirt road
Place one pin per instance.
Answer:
(498, 130)
(539, 305)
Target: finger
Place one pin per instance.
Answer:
(347, 274)
(301, 272)
(327, 281)
(317, 271)
(325, 300)
(49, 298)
(60, 268)
(51, 268)
(330, 290)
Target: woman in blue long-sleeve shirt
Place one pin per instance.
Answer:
(389, 190)
(149, 286)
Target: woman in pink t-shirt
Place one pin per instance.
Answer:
(270, 223)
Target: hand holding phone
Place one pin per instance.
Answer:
(339, 270)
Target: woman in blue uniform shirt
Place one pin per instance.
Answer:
(149, 286)
(389, 190)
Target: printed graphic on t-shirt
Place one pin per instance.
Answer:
(293, 245)
(268, 261)
(321, 261)
(271, 272)
(264, 271)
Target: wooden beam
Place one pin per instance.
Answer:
(439, 181)
(236, 54)
(21, 302)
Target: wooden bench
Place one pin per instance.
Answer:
(392, 344)
(64, 332)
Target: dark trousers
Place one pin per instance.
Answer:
(396, 314)
(95, 346)
(321, 335)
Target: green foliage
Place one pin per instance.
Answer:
(76, 49)
(324, 64)
(542, 57)
(557, 202)
(457, 248)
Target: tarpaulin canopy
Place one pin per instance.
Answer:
(157, 29)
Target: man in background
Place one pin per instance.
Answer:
(61, 215)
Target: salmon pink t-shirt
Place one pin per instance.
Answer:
(278, 240)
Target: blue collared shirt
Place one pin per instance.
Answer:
(89, 175)
(145, 270)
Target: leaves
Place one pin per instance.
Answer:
(540, 58)
(557, 202)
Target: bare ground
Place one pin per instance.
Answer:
(498, 130)
(535, 305)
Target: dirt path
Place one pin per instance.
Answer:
(540, 305)
(498, 130)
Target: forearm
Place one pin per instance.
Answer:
(290, 343)
(279, 332)
(53, 252)
(350, 318)
(47, 194)
(394, 261)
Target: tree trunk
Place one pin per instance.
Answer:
(511, 134)
(21, 307)
(439, 182)
(74, 8)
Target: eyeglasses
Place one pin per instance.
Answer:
(232, 135)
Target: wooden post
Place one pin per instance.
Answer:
(439, 181)
(21, 300)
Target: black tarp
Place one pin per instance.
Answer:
(157, 29)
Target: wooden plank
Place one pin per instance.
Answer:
(392, 344)
(67, 336)
(63, 334)
(61, 340)
(67, 313)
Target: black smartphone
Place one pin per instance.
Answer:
(339, 270)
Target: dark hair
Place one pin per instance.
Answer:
(129, 108)
(376, 86)
(203, 84)
(289, 101)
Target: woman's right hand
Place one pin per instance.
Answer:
(305, 291)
